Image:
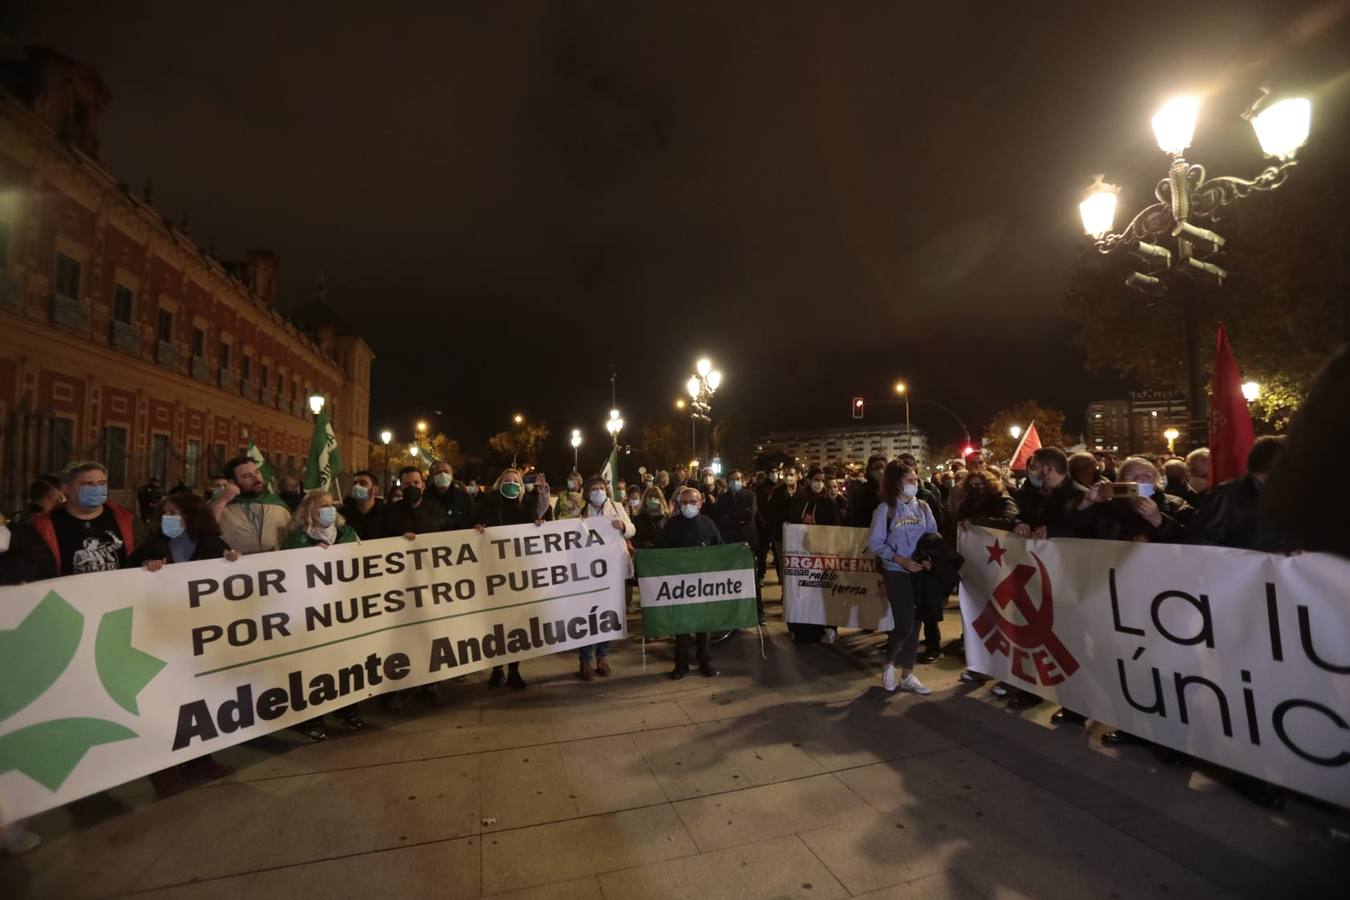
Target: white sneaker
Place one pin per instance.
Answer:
(914, 685)
(830, 635)
(16, 838)
(889, 679)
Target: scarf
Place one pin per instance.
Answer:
(321, 535)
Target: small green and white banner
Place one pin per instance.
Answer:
(686, 590)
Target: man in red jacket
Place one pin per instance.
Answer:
(86, 534)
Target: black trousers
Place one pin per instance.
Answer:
(904, 641)
(682, 644)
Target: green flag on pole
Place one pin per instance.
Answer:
(324, 462)
(264, 468)
(686, 590)
(610, 472)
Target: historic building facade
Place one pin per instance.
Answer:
(124, 341)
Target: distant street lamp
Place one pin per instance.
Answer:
(1171, 434)
(421, 426)
(316, 403)
(414, 451)
(1187, 194)
(903, 390)
(1015, 431)
(701, 387)
(1252, 391)
(679, 403)
(385, 437)
(614, 424)
(576, 446)
(518, 419)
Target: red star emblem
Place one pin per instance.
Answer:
(996, 553)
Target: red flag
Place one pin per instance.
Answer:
(1230, 421)
(1031, 442)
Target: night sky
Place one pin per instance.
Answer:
(824, 197)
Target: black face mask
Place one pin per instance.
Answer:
(412, 494)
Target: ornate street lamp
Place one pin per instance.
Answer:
(701, 387)
(385, 437)
(576, 446)
(1187, 194)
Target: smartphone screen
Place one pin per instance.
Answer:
(1125, 489)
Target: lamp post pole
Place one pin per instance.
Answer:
(1186, 194)
(385, 437)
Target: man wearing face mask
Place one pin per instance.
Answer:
(361, 508)
(866, 498)
(691, 529)
(784, 490)
(1048, 501)
(736, 513)
(450, 497)
(813, 506)
(252, 520)
(85, 534)
(1152, 515)
(413, 515)
(676, 482)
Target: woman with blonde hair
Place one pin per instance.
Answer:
(600, 506)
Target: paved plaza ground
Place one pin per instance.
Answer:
(795, 775)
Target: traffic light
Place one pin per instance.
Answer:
(857, 407)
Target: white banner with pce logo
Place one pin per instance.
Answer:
(1232, 656)
(108, 676)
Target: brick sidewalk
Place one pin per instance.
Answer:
(791, 776)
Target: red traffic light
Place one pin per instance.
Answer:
(857, 407)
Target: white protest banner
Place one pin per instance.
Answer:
(109, 676)
(1236, 657)
(829, 578)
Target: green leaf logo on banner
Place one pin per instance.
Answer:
(33, 657)
(124, 670)
(35, 654)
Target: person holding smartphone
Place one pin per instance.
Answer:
(1134, 508)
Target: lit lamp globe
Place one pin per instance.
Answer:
(576, 438)
(1171, 434)
(692, 387)
(1282, 128)
(1174, 124)
(1098, 209)
(1252, 391)
(703, 367)
(714, 379)
(386, 436)
(316, 403)
(414, 451)
(1015, 431)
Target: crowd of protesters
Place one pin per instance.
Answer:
(71, 527)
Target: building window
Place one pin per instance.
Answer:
(198, 342)
(115, 455)
(159, 457)
(194, 453)
(60, 444)
(67, 276)
(264, 377)
(246, 367)
(165, 327)
(123, 304)
(224, 357)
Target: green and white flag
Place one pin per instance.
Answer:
(685, 590)
(264, 468)
(610, 472)
(324, 462)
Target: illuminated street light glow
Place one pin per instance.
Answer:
(1174, 124)
(714, 379)
(1252, 391)
(518, 419)
(316, 403)
(1098, 210)
(414, 451)
(1171, 434)
(1282, 128)
(1015, 431)
(900, 387)
(692, 387)
(703, 367)
(679, 403)
(386, 436)
(576, 438)
(422, 425)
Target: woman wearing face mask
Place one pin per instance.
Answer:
(898, 523)
(813, 506)
(633, 505)
(985, 502)
(509, 504)
(186, 531)
(317, 523)
(650, 519)
(599, 506)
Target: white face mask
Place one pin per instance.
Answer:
(910, 490)
(689, 510)
(441, 480)
(817, 486)
(598, 498)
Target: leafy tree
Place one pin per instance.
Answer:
(521, 444)
(1049, 426)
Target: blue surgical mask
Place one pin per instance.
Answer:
(734, 486)
(598, 497)
(327, 515)
(92, 496)
(1035, 479)
(172, 526)
(360, 492)
(689, 510)
(1146, 489)
(910, 490)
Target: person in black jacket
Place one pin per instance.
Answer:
(1152, 516)
(736, 513)
(450, 496)
(1230, 515)
(650, 519)
(813, 506)
(508, 503)
(186, 531)
(415, 513)
(1048, 501)
(361, 508)
(865, 499)
(691, 529)
(985, 502)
